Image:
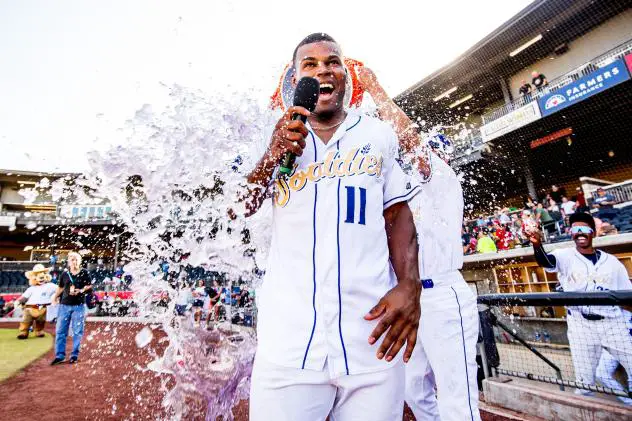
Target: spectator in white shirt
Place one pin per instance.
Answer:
(503, 217)
(568, 206)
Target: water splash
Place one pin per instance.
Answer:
(172, 179)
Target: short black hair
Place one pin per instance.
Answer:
(311, 39)
(582, 217)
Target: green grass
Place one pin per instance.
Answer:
(16, 354)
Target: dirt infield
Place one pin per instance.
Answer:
(110, 381)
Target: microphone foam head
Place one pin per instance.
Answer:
(306, 93)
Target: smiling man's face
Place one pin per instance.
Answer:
(323, 61)
(581, 239)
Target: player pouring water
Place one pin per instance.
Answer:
(441, 375)
(329, 347)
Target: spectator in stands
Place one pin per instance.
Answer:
(214, 293)
(466, 240)
(580, 201)
(568, 207)
(74, 282)
(538, 80)
(543, 217)
(199, 297)
(485, 243)
(604, 228)
(529, 204)
(502, 236)
(503, 216)
(525, 89)
(604, 203)
(183, 298)
(557, 193)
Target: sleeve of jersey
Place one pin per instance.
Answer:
(398, 186)
(559, 261)
(27, 294)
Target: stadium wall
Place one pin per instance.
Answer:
(15, 253)
(581, 50)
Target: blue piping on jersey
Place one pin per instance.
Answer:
(405, 196)
(342, 341)
(311, 336)
(356, 123)
(467, 376)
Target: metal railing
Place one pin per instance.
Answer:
(505, 349)
(35, 216)
(561, 81)
(622, 192)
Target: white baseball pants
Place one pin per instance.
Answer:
(587, 338)
(605, 375)
(289, 394)
(445, 355)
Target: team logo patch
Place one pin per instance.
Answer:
(365, 150)
(554, 101)
(334, 165)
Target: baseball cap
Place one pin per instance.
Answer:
(582, 217)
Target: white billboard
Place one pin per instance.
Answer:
(510, 122)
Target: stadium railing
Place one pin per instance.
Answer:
(561, 81)
(540, 348)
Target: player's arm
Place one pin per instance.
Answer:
(399, 309)
(408, 137)
(288, 136)
(543, 259)
(24, 297)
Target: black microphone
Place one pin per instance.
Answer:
(306, 96)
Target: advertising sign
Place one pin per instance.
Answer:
(510, 122)
(594, 83)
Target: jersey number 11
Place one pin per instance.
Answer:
(351, 190)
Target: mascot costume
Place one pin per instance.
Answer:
(35, 300)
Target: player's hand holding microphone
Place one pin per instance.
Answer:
(288, 138)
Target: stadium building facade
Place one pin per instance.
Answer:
(573, 132)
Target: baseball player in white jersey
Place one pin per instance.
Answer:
(448, 328)
(441, 375)
(329, 347)
(590, 328)
(606, 370)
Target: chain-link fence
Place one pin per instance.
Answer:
(589, 350)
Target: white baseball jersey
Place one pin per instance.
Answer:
(578, 274)
(328, 263)
(40, 294)
(445, 356)
(438, 214)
